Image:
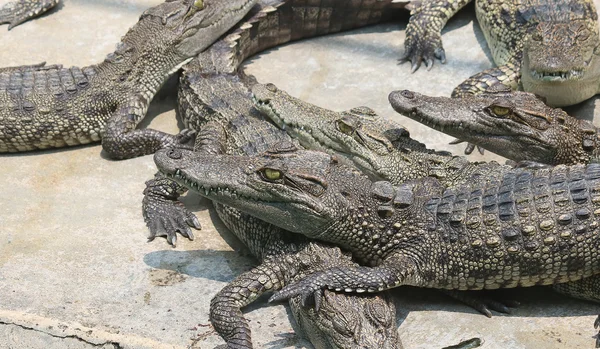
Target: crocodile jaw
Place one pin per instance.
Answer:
(562, 88)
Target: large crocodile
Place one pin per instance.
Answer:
(17, 12)
(516, 125)
(526, 228)
(46, 108)
(549, 47)
(385, 150)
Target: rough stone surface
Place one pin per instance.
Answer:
(74, 260)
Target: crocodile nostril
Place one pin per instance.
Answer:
(407, 94)
(271, 87)
(174, 153)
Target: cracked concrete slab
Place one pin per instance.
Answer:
(74, 260)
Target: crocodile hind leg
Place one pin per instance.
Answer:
(423, 40)
(17, 12)
(122, 141)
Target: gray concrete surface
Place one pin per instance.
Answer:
(76, 270)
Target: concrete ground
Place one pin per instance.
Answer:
(76, 270)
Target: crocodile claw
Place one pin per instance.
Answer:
(470, 147)
(164, 214)
(423, 43)
(185, 136)
(310, 289)
(19, 11)
(482, 303)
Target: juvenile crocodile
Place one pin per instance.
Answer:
(46, 108)
(549, 47)
(17, 12)
(530, 227)
(380, 147)
(516, 125)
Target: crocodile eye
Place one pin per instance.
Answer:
(583, 36)
(271, 174)
(199, 4)
(499, 111)
(345, 128)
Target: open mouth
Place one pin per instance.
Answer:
(557, 76)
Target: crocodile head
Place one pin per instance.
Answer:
(190, 26)
(516, 125)
(561, 61)
(298, 190)
(349, 321)
(372, 143)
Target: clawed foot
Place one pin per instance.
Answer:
(310, 289)
(484, 304)
(470, 147)
(423, 43)
(165, 215)
(17, 12)
(184, 138)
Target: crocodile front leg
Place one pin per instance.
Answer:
(424, 32)
(122, 141)
(225, 308)
(163, 213)
(503, 77)
(396, 270)
(17, 12)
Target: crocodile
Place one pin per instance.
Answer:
(385, 150)
(46, 108)
(547, 47)
(233, 126)
(516, 125)
(529, 227)
(17, 12)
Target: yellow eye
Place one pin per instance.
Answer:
(199, 4)
(500, 111)
(345, 128)
(272, 174)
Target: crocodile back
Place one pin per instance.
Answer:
(524, 228)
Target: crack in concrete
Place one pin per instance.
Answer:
(114, 344)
